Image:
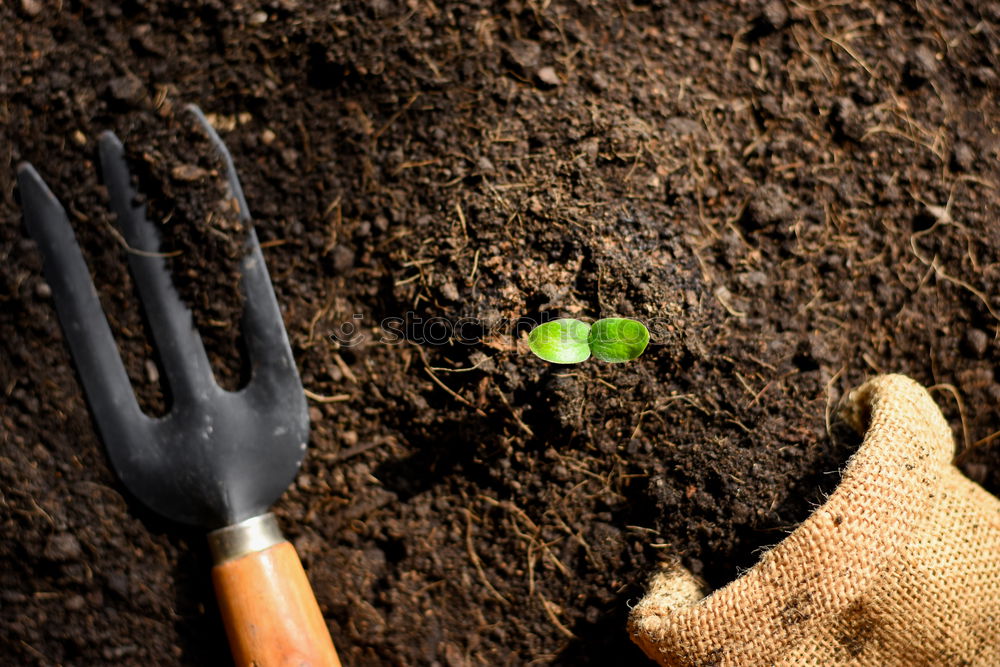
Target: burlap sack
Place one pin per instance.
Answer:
(901, 565)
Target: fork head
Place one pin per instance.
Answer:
(217, 457)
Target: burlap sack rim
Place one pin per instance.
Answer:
(871, 546)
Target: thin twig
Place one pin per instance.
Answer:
(514, 414)
(438, 382)
(470, 547)
(320, 398)
(395, 116)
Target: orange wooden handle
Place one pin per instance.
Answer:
(270, 611)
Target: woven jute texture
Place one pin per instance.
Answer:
(900, 566)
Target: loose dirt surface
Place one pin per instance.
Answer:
(795, 197)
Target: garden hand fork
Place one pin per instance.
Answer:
(218, 459)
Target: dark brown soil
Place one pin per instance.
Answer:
(796, 198)
(182, 180)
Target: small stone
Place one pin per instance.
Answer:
(126, 89)
(75, 603)
(381, 223)
(79, 138)
(485, 165)
(927, 58)
(976, 342)
(144, 39)
(775, 15)
(188, 173)
(449, 291)
(152, 372)
(63, 547)
(31, 7)
(598, 81)
(258, 18)
(769, 206)
(290, 157)
(315, 414)
(267, 137)
(846, 120)
(343, 259)
(523, 55)
(548, 76)
(681, 126)
(770, 105)
(117, 583)
(963, 157)
(349, 438)
(920, 67)
(43, 290)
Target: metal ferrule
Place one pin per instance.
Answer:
(246, 537)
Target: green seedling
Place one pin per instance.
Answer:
(569, 341)
(617, 339)
(565, 341)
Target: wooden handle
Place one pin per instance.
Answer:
(270, 612)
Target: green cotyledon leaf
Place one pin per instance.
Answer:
(563, 341)
(617, 339)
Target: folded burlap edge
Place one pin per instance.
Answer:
(843, 546)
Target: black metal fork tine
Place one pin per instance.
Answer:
(219, 457)
(263, 327)
(181, 349)
(88, 335)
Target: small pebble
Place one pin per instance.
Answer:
(485, 165)
(846, 119)
(976, 342)
(963, 157)
(188, 173)
(449, 291)
(79, 138)
(152, 372)
(63, 547)
(267, 137)
(548, 76)
(343, 258)
(258, 18)
(290, 157)
(42, 290)
(126, 89)
(523, 54)
(775, 14)
(769, 205)
(598, 81)
(681, 126)
(75, 603)
(117, 583)
(315, 414)
(31, 7)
